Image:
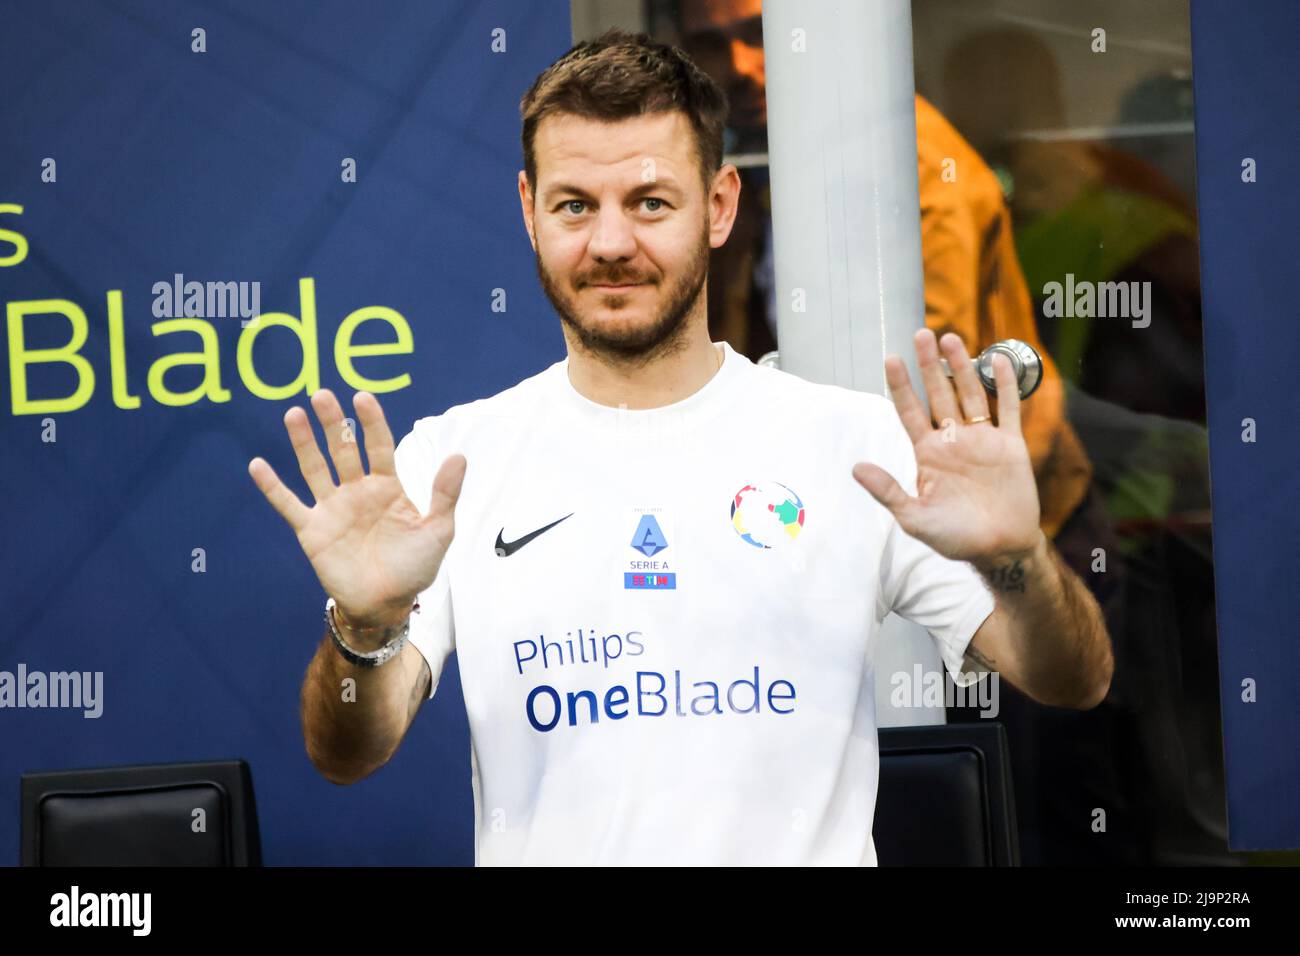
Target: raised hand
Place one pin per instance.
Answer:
(370, 547)
(976, 497)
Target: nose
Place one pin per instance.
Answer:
(612, 236)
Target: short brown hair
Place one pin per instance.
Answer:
(620, 75)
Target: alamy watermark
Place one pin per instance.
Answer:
(83, 690)
(929, 688)
(129, 910)
(207, 300)
(1101, 300)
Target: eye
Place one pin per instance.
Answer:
(658, 203)
(569, 206)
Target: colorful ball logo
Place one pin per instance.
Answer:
(767, 514)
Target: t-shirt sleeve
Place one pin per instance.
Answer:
(433, 632)
(946, 597)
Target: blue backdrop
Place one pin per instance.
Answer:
(1246, 72)
(226, 165)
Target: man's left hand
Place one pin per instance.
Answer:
(976, 497)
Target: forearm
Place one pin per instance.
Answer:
(1055, 631)
(354, 717)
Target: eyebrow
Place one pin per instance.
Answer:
(666, 184)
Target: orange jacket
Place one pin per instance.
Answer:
(974, 287)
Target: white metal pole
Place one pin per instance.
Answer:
(846, 222)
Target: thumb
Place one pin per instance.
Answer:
(447, 485)
(883, 488)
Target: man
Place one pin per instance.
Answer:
(656, 560)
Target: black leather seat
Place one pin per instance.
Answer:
(194, 814)
(945, 797)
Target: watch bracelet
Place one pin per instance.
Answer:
(375, 658)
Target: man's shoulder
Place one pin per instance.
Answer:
(835, 418)
(822, 397)
(516, 402)
(837, 408)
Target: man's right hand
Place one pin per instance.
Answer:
(370, 547)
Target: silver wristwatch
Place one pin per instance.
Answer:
(374, 658)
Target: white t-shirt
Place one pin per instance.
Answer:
(678, 669)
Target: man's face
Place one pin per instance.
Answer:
(622, 226)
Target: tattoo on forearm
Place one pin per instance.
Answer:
(1007, 577)
(419, 691)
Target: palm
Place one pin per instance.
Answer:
(371, 547)
(367, 545)
(974, 493)
(975, 490)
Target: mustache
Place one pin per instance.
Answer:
(611, 276)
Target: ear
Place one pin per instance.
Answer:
(526, 204)
(724, 200)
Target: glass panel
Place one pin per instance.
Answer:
(1082, 116)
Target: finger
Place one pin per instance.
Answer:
(912, 413)
(447, 484)
(1008, 392)
(282, 499)
(310, 461)
(943, 403)
(884, 488)
(974, 400)
(379, 439)
(341, 439)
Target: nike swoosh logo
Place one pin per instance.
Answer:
(506, 548)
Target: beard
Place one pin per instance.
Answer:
(617, 342)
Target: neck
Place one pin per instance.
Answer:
(662, 380)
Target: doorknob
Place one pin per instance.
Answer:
(1025, 362)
